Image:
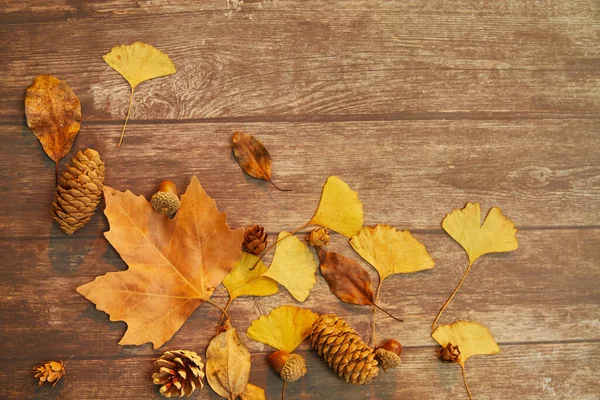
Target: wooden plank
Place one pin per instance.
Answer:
(542, 173)
(390, 62)
(532, 371)
(531, 295)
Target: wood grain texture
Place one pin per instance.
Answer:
(419, 105)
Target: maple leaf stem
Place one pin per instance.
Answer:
(283, 390)
(223, 315)
(465, 381)
(266, 251)
(278, 188)
(224, 311)
(451, 296)
(126, 118)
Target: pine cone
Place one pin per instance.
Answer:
(255, 239)
(450, 353)
(319, 237)
(294, 368)
(343, 349)
(387, 359)
(79, 191)
(50, 371)
(180, 373)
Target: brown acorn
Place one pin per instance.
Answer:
(165, 200)
(388, 354)
(290, 367)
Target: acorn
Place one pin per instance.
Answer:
(165, 200)
(388, 354)
(290, 367)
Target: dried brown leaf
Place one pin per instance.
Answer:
(53, 114)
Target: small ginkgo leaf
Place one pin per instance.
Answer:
(284, 328)
(253, 157)
(293, 266)
(245, 279)
(137, 63)
(339, 209)
(391, 251)
(471, 338)
(496, 235)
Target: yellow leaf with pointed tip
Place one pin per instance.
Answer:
(339, 209)
(284, 328)
(244, 280)
(293, 266)
(391, 251)
(496, 235)
(139, 62)
(471, 338)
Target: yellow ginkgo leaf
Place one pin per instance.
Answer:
(245, 279)
(471, 338)
(391, 251)
(284, 328)
(496, 235)
(137, 63)
(339, 208)
(293, 266)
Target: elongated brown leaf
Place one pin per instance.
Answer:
(53, 114)
(349, 281)
(227, 364)
(252, 156)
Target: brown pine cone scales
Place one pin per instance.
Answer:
(50, 371)
(343, 349)
(180, 373)
(319, 237)
(79, 191)
(450, 353)
(255, 239)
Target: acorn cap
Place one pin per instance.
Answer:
(165, 202)
(387, 359)
(294, 368)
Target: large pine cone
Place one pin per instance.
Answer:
(255, 239)
(180, 373)
(79, 191)
(343, 349)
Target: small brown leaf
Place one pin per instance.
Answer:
(252, 156)
(53, 114)
(227, 364)
(349, 281)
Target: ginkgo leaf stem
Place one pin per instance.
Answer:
(451, 297)
(126, 118)
(375, 307)
(278, 188)
(224, 311)
(266, 251)
(465, 381)
(283, 390)
(223, 315)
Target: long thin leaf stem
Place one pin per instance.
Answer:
(56, 173)
(375, 307)
(126, 118)
(209, 301)
(283, 390)
(387, 313)
(465, 381)
(451, 297)
(223, 315)
(265, 251)
(278, 188)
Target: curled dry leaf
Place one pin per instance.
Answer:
(253, 157)
(137, 63)
(339, 208)
(53, 114)
(245, 278)
(284, 328)
(293, 266)
(496, 235)
(346, 278)
(227, 364)
(252, 393)
(174, 264)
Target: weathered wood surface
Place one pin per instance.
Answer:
(420, 105)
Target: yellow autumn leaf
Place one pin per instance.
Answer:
(293, 266)
(339, 209)
(252, 392)
(284, 328)
(137, 63)
(471, 338)
(245, 278)
(496, 235)
(391, 251)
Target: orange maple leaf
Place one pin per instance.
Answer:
(174, 265)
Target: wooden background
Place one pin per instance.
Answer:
(420, 105)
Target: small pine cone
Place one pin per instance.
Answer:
(50, 371)
(180, 373)
(387, 359)
(319, 237)
(449, 353)
(79, 191)
(294, 368)
(343, 349)
(255, 239)
(166, 203)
